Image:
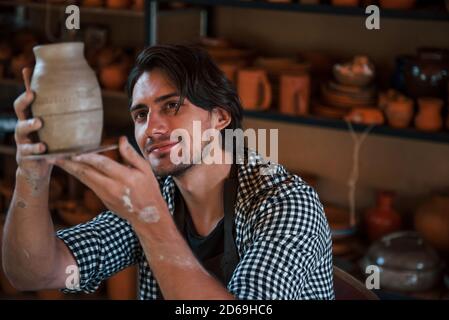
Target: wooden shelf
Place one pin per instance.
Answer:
(7, 124)
(384, 130)
(416, 14)
(92, 10)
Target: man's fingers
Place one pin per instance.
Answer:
(27, 149)
(86, 174)
(25, 127)
(22, 103)
(131, 156)
(105, 165)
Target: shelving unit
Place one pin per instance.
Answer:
(322, 9)
(91, 10)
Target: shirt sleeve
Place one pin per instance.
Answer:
(289, 255)
(101, 247)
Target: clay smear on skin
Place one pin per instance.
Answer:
(149, 215)
(186, 262)
(126, 198)
(35, 184)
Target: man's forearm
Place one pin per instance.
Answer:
(179, 274)
(29, 243)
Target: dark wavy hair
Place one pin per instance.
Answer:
(194, 74)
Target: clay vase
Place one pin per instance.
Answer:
(427, 74)
(346, 3)
(139, 5)
(68, 98)
(382, 219)
(113, 77)
(123, 285)
(118, 4)
(397, 4)
(429, 115)
(92, 3)
(399, 112)
(432, 221)
(294, 94)
(254, 89)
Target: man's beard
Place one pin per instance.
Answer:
(177, 171)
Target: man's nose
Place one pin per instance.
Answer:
(156, 125)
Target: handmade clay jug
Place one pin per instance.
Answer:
(429, 115)
(295, 94)
(68, 98)
(254, 89)
(399, 112)
(382, 219)
(432, 220)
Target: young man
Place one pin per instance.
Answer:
(196, 230)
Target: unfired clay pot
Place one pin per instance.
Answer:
(68, 98)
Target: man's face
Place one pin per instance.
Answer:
(153, 110)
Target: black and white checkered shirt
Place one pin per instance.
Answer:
(282, 237)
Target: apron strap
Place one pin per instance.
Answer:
(230, 256)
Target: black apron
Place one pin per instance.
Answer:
(222, 264)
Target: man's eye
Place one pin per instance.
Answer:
(172, 106)
(141, 115)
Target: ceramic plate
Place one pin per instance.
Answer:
(68, 154)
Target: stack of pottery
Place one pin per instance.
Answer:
(228, 57)
(290, 81)
(113, 66)
(397, 107)
(352, 88)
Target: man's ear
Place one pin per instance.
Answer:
(220, 118)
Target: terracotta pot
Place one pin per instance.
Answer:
(254, 89)
(68, 98)
(92, 3)
(367, 116)
(382, 219)
(432, 221)
(347, 3)
(107, 56)
(123, 285)
(139, 5)
(397, 4)
(118, 4)
(277, 66)
(240, 57)
(429, 114)
(295, 94)
(399, 112)
(113, 77)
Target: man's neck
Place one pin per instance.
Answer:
(202, 189)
